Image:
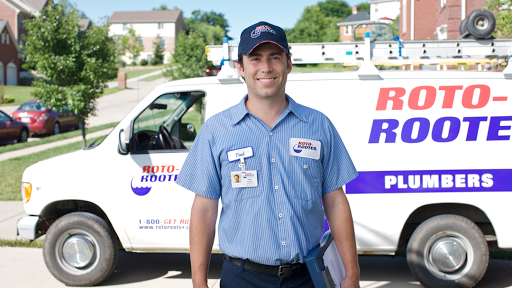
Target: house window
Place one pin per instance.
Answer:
(162, 43)
(139, 41)
(443, 2)
(125, 27)
(5, 38)
(348, 30)
(160, 25)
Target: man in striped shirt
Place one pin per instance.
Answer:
(290, 159)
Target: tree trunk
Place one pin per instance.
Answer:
(84, 142)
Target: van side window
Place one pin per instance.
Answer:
(171, 122)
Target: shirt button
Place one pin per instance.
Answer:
(280, 215)
(277, 187)
(271, 133)
(282, 243)
(273, 160)
(305, 166)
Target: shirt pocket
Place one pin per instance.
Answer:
(305, 177)
(243, 193)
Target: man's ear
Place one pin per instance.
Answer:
(289, 64)
(240, 69)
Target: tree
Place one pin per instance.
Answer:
(130, 43)
(502, 10)
(75, 64)
(313, 26)
(212, 35)
(363, 7)
(158, 53)
(67, 6)
(189, 59)
(335, 9)
(212, 19)
(164, 7)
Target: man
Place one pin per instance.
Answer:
(274, 218)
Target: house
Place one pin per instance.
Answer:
(434, 19)
(17, 11)
(348, 24)
(85, 23)
(384, 9)
(9, 56)
(148, 24)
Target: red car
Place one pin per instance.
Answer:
(12, 130)
(43, 120)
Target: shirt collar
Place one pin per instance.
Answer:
(240, 110)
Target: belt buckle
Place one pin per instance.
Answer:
(281, 272)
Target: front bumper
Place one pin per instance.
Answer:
(27, 227)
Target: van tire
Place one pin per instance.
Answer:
(96, 240)
(462, 28)
(480, 23)
(469, 252)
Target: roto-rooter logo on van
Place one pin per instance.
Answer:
(152, 175)
(443, 129)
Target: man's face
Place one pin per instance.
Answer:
(265, 71)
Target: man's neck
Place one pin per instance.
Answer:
(267, 109)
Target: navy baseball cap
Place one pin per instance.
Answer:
(262, 32)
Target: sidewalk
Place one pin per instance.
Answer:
(10, 212)
(39, 148)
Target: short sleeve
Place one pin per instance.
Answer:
(337, 164)
(201, 171)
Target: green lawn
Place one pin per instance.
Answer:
(319, 68)
(11, 171)
(53, 138)
(21, 94)
(135, 73)
(21, 243)
(151, 78)
(111, 90)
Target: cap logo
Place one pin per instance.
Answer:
(264, 28)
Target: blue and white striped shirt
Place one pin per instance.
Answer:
(282, 219)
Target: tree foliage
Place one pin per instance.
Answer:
(214, 26)
(335, 9)
(164, 7)
(313, 26)
(363, 7)
(189, 59)
(75, 64)
(502, 10)
(158, 53)
(130, 43)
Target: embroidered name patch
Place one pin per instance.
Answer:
(305, 148)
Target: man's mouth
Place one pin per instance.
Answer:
(266, 80)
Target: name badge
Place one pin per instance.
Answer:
(241, 179)
(305, 148)
(237, 154)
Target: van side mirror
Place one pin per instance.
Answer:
(124, 141)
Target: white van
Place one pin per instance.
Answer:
(432, 150)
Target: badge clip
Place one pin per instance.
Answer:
(242, 164)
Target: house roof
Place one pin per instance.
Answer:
(3, 24)
(145, 16)
(37, 4)
(363, 16)
(17, 6)
(84, 23)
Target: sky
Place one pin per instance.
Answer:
(240, 14)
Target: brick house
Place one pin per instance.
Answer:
(17, 11)
(149, 24)
(9, 56)
(347, 25)
(434, 19)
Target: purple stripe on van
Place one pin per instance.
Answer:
(430, 181)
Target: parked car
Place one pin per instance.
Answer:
(44, 120)
(12, 130)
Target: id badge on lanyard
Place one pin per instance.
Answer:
(242, 178)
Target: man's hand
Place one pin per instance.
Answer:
(202, 233)
(339, 217)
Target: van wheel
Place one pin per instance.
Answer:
(80, 249)
(448, 251)
(462, 28)
(56, 128)
(481, 23)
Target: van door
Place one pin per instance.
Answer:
(157, 211)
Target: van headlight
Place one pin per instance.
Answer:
(26, 191)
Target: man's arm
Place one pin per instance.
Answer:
(202, 233)
(339, 217)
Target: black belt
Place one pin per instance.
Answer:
(283, 271)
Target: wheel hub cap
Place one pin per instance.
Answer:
(448, 254)
(78, 251)
(481, 23)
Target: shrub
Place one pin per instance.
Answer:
(8, 99)
(121, 63)
(155, 61)
(143, 62)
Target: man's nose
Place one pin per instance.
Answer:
(266, 67)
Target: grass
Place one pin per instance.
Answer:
(151, 78)
(11, 171)
(135, 73)
(319, 68)
(54, 138)
(21, 243)
(21, 94)
(111, 90)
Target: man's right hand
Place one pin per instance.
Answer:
(202, 233)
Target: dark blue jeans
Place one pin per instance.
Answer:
(236, 277)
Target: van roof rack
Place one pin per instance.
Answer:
(388, 53)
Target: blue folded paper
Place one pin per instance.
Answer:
(325, 265)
